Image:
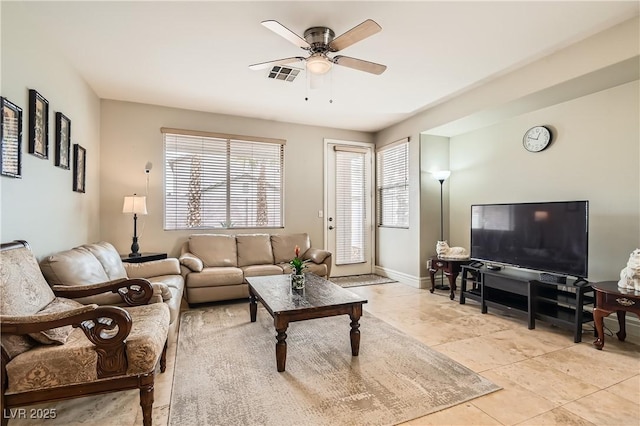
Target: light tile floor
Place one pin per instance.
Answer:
(546, 378)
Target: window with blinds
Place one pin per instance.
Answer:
(392, 185)
(351, 207)
(222, 182)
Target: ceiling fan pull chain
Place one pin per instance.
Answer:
(331, 86)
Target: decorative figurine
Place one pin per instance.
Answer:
(630, 275)
(444, 251)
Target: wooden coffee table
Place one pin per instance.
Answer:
(320, 298)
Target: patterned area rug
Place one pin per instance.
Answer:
(225, 373)
(360, 280)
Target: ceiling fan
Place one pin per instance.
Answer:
(319, 41)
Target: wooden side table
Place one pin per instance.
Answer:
(451, 269)
(610, 298)
(144, 257)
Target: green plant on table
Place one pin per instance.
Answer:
(297, 264)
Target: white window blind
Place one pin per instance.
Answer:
(351, 207)
(213, 182)
(392, 185)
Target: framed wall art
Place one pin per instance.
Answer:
(63, 141)
(11, 142)
(38, 125)
(79, 168)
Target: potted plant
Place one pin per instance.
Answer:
(298, 266)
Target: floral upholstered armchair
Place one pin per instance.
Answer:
(56, 348)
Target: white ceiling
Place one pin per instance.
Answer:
(195, 55)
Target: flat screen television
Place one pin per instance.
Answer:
(549, 237)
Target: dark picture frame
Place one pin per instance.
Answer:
(10, 139)
(38, 125)
(79, 168)
(63, 141)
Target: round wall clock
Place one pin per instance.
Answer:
(536, 138)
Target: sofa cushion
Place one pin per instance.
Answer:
(77, 266)
(254, 249)
(284, 246)
(59, 335)
(155, 268)
(258, 270)
(109, 258)
(214, 249)
(215, 276)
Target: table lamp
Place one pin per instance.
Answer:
(137, 205)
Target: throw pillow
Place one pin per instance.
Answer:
(15, 344)
(59, 335)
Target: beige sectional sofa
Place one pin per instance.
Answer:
(100, 262)
(215, 266)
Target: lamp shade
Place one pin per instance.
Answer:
(441, 175)
(135, 204)
(318, 64)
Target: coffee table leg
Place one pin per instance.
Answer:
(281, 349)
(253, 306)
(355, 334)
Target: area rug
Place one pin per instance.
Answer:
(225, 373)
(360, 280)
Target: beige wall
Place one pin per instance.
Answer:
(41, 207)
(434, 156)
(594, 157)
(603, 61)
(131, 136)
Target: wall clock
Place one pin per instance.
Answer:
(536, 138)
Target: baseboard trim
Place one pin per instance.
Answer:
(411, 280)
(632, 327)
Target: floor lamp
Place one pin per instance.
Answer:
(441, 176)
(135, 204)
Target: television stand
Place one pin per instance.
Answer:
(521, 293)
(551, 278)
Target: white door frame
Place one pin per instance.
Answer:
(372, 233)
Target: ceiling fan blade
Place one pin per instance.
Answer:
(265, 65)
(355, 34)
(286, 33)
(359, 64)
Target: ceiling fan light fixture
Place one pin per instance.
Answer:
(318, 64)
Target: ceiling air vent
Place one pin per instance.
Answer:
(284, 73)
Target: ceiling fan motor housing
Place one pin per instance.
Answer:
(319, 38)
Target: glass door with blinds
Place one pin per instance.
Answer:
(349, 213)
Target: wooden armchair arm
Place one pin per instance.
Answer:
(13, 324)
(107, 327)
(134, 291)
